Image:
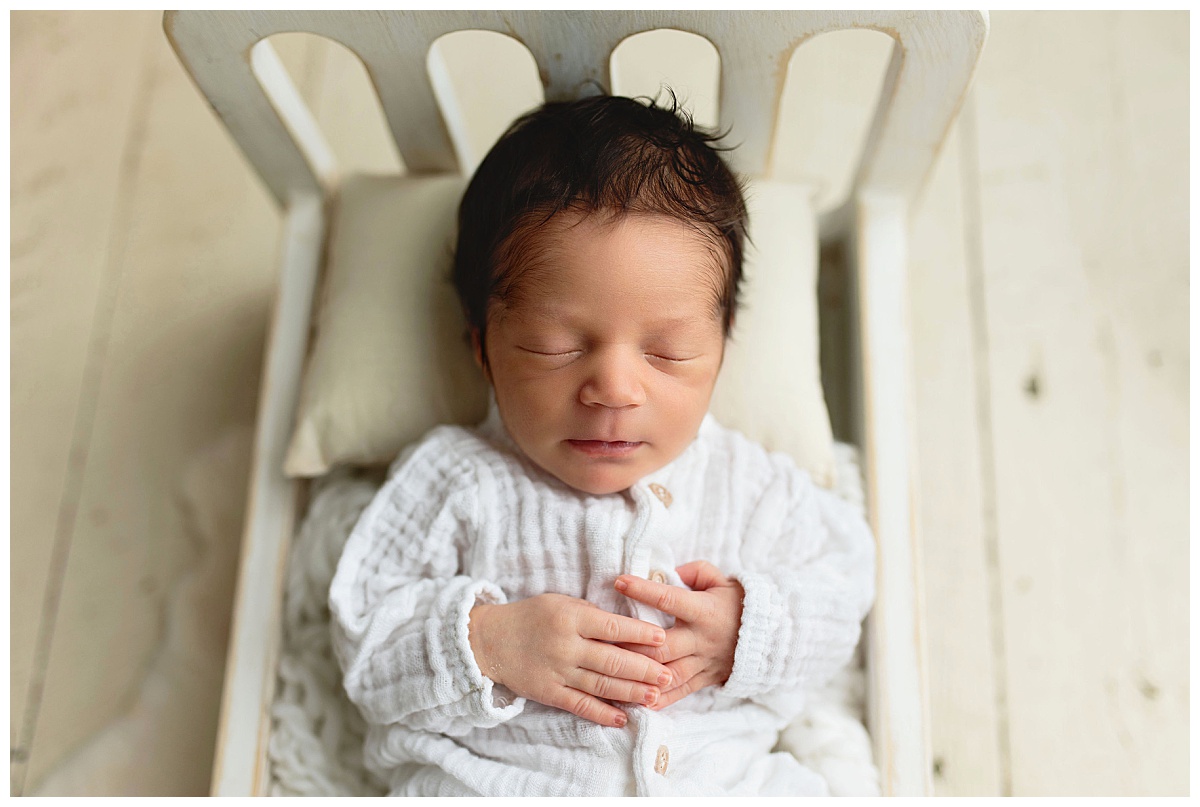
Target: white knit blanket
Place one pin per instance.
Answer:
(317, 734)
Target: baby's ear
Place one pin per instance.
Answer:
(477, 352)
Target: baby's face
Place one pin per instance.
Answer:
(604, 365)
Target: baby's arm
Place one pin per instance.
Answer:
(558, 651)
(807, 593)
(400, 604)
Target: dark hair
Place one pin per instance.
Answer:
(603, 153)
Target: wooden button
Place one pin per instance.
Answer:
(661, 759)
(657, 577)
(662, 493)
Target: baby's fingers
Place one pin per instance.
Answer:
(588, 707)
(616, 662)
(689, 678)
(598, 624)
(674, 600)
(678, 693)
(688, 669)
(700, 575)
(681, 641)
(613, 689)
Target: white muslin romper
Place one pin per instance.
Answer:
(466, 518)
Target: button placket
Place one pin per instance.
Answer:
(647, 523)
(661, 554)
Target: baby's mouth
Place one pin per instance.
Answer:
(605, 448)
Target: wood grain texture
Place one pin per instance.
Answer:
(76, 79)
(966, 744)
(180, 367)
(1082, 286)
(240, 764)
(897, 702)
(1148, 378)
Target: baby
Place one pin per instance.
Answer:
(599, 590)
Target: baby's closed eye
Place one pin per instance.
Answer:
(670, 357)
(550, 351)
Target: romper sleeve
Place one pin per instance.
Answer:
(809, 579)
(400, 603)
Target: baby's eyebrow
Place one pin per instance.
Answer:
(678, 322)
(657, 328)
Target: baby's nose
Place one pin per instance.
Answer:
(614, 380)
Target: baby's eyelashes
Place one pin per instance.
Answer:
(553, 359)
(556, 353)
(673, 358)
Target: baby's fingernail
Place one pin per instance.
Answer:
(664, 679)
(650, 698)
(622, 585)
(619, 721)
(660, 637)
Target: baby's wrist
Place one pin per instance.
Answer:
(478, 632)
(731, 657)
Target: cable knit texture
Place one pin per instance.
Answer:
(464, 517)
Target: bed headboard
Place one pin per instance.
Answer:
(228, 57)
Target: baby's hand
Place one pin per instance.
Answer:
(699, 649)
(562, 651)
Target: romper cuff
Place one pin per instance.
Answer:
(758, 640)
(492, 702)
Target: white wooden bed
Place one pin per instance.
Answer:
(932, 63)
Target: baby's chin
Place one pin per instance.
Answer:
(599, 478)
(600, 487)
(597, 486)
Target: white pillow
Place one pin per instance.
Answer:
(770, 384)
(389, 361)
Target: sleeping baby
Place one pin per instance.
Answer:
(599, 590)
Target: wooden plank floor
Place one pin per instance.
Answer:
(1049, 301)
(164, 314)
